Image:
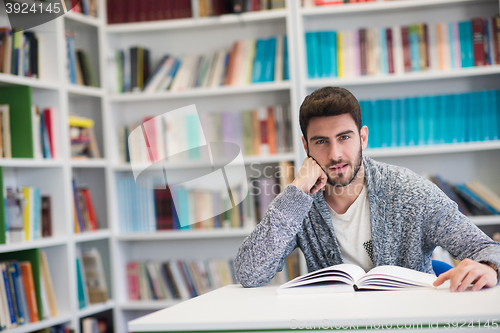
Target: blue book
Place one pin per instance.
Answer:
(451, 39)
(476, 198)
(414, 48)
(16, 296)
(394, 107)
(326, 56)
(386, 119)
(421, 120)
(194, 136)
(493, 100)
(270, 59)
(461, 118)
(384, 65)
(70, 44)
(376, 128)
(257, 62)
(314, 55)
(433, 121)
(462, 33)
(412, 122)
(332, 36)
(182, 201)
(470, 46)
(366, 119)
(310, 54)
(401, 121)
(286, 73)
(37, 202)
(484, 115)
(23, 305)
(469, 116)
(77, 207)
(9, 295)
(444, 130)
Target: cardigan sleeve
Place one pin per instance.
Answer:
(264, 251)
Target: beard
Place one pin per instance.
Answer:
(338, 181)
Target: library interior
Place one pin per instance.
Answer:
(142, 142)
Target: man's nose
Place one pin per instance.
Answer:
(335, 152)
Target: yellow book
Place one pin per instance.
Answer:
(251, 56)
(28, 235)
(80, 122)
(340, 64)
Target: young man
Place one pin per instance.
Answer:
(347, 208)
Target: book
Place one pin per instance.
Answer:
(349, 277)
(94, 276)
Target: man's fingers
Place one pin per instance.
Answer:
(459, 274)
(480, 283)
(441, 278)
(468, 280)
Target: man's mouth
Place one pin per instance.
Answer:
(339, 167)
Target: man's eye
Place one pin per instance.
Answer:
(344, 137)
(320, 141)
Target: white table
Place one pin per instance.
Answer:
(236, 308)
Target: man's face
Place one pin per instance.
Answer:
(335, 143)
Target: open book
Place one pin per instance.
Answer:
(349, 277)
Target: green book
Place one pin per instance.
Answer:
(21, 131)
(81, 288)
(3, 220)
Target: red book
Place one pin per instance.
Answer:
(133, 281)
(255, 5)
(159, 7)
(143, 10)
(406, 48)
(477, 41)
(496, 38)
(47, 117)
(168, 7)
(427, 46)
(362, 51)
(271, 130)
(149, 128)
(132, 12)
(163, 209)
(90, 208)
(390, 51)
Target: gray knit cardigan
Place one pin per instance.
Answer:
(409, 217)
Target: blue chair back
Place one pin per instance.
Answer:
(440, 267)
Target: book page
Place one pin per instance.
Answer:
(398, 274)
(345, 273)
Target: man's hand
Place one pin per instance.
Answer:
(467, 272)
(311, 177)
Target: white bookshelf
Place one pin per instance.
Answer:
(456, 162)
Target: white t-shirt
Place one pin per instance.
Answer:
(353, 232)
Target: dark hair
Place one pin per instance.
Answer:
(326, 102)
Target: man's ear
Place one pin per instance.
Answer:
(305, 144)
(363, 133)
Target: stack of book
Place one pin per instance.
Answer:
(27, 215)
(19, 53)
(82, 136)
(402, 49)
(258, 132)
(177, 279)
(248, 61)
(21, 302)
(125, 11)
(92, 286)
(80, 69)
(427, 120)
(86, 7)
(150, 210)
(85, 218)
(473, 198)
(221, 7)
